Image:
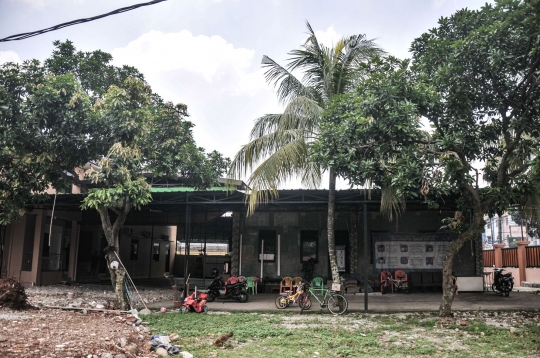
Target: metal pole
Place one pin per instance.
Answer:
(279, 255)
(366, 267)
(262, 257)
(186, 248)
(240, 257)
(204, 249)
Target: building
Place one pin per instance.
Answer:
(505, 230)
(190, 232)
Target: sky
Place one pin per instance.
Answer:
(207, 53)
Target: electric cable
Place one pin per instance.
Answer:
(76, 22)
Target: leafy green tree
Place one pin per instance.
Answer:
(55, 122)
(528, 217)
(279, 145)
(475, 79)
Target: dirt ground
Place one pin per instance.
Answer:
(59, 333)
(84, 331)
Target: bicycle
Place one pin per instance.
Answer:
(335, 303)
(390, 283)
(284, 301)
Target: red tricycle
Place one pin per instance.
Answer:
(192, 303)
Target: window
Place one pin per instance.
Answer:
(155, 252)
(167, 257)
(269, 237)
(309, 245)
(134, 251)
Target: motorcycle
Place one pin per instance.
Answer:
(236, 291)
(503, 283)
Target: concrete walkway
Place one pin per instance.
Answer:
(415, 302)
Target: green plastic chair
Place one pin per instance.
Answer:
(317, 284)
(251, 282)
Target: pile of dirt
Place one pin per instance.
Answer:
(13, 295)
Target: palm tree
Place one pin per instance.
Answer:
(279, 143)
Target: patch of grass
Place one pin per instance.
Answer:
(290, 335)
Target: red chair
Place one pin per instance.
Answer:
(384, 276)
(401, 275)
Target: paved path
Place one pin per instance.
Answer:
(415, 302)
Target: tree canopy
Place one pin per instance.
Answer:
(475, 79)
(76, 110)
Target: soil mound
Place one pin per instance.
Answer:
(13, 295)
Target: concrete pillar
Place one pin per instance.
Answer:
(73, 246)
(353, 243)
(522, 259)
(235, 256)
(497, 250)
(38, 248)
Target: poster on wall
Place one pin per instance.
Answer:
(393, 251)
(340, 257)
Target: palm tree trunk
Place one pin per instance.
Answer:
(330, 226)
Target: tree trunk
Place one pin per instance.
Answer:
(449, 289)
(111, 232)
(330, 226)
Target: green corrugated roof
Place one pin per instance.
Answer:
(183, 189)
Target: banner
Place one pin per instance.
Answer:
(411, 252)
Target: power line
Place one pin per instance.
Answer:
(76, 22)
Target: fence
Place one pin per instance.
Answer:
(489, 258)
(533, 256)
(510, 257)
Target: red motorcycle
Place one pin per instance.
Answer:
(192, 303)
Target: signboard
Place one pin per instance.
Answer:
(409, 251)
(267, 257)
(340, 257)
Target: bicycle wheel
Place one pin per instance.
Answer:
(281, 302)
(305, 303)
(337, 304)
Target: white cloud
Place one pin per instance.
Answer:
(329, 37)
(9, 56)
(211, 59)
(438, 3)
(222, 85)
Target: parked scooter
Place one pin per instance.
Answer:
(502, 283)
(236, 291)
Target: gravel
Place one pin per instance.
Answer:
(90, 296)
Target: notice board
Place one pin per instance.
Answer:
(409, 251)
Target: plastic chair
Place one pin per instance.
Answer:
(416, 280)
(251, 284)
(241, 278)
(427, 280)
(317, 284)
(286, 283)
(296, 281)
(437, 280)
(401, 275)
(384, 275)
